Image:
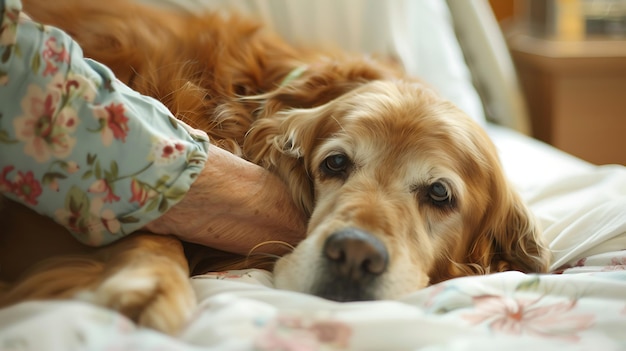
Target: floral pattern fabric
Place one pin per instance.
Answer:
(79, 146)
(239, 310)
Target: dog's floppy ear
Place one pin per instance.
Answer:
(500, 233)
(508, 237)
(283, 143)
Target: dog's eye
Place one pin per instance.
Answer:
(335, 164)
(439, 193)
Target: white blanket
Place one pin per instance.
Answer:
(583, 211)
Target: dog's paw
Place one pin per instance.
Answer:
(155, 297)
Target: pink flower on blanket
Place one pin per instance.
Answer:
(580, 263)
(617, 264)
(295, 333)
(529, 316)
(333, 333)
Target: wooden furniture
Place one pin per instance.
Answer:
(576, 94)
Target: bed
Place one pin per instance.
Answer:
(581, 305)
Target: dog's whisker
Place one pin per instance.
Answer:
(264, 254)
(269, 242)
(261, 255)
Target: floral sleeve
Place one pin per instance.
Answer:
(79, 146)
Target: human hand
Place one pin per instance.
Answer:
(235, 206)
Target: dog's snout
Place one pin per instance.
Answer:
(355, 254)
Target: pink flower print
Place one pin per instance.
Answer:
(53, 54)
(278, 336)
(580, 263)
(101, 186)
(525, 316)
(303, 333)
(24, 186)
(167, 151)
(617, 264)
(117, 122)
(113, 123)
(140, 192)
(45, 127)
(332, 333)
(27, 188)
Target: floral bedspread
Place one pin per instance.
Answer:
(240, 310)
(580, 306)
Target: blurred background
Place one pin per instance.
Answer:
(571, 59)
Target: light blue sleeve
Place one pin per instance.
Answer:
(79, 146)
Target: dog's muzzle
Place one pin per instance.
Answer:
(353, 260)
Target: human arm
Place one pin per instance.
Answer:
(79, 146)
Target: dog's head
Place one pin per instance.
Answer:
(403, 190)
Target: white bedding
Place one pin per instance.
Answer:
(582, 208)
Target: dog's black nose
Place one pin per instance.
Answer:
(355, 254)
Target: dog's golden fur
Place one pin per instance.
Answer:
(366, 152)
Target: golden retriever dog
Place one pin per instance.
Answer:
(401, 188)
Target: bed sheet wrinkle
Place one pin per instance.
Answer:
(588, 219)
(588, 233)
